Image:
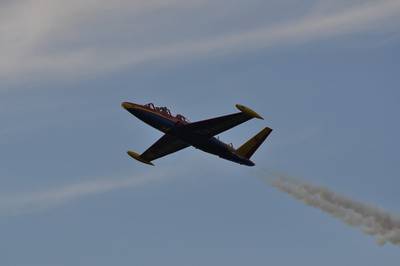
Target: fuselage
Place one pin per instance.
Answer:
(168, 124)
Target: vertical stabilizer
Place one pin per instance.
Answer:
(250, 147)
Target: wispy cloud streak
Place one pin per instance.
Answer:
(384, 226)
(40, 48)
(20, 203)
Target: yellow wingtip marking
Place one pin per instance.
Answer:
(136, 156)
(248, 111)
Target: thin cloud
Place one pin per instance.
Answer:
(20, 203)
(38, 49)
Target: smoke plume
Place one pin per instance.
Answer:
(385, 227)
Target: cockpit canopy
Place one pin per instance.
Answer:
(182, 118)
(164, 110)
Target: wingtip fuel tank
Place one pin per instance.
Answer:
(137, 156)
(248, 111)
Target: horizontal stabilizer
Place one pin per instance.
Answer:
(250, 147)
(136, 156)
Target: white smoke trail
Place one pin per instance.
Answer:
(385, 227)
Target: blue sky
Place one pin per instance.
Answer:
(323, 74)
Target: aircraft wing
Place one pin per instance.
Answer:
(167, 144)
(214, 126)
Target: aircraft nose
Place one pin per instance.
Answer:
(128, 105)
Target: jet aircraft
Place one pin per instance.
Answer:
(179, 133)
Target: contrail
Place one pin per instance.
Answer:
(21, 203)
(385, 227)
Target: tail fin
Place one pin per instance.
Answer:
(250, 147)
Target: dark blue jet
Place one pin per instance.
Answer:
(179, 133)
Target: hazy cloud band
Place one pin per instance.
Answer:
(19, 203)
(35, 34)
